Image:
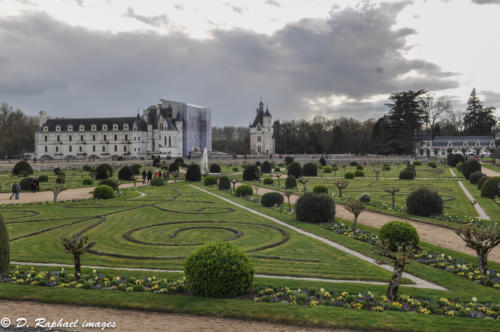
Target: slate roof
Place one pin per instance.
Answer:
(259, 118)
(458, 141)
(88, 122)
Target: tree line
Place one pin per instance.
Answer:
(17, 132)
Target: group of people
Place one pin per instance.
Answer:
(16, 188)
(148, 176)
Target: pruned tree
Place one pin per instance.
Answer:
(341, 185)
(234, 184)
(288, 193)
(438, 172)
(77, 245)
(56, 189)
(278, 176)
(304, 183)
(392, 191)
(355, 207)
(335, 168)
(377, 173)
(400, 259)
(482, 238)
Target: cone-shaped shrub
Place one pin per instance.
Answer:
(295, 170)
(224, 183)
(291, 182)
(266, 167)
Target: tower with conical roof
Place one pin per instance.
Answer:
(261, 132)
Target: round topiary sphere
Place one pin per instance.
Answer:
(320, 189)
(268, 181)
(22, 167)
(218, 269)
(481, 181)
(310, 169)
(193, 173)
(398, 233)
(358, 173)
(125, 173)
(244, 190)
(475, 176)
(266, 167)
(214, 168)
(407, 174)
(295, 170)
(365, 198)
(25, 184)
(360, 167)
(490, 187)
(469, 167)
(291, 182)
(251, 173)
(210, 180)
(315, 208)
(87, 182)
(103, 192)
(349, 175)
(271, 199)
(224, 183)
(454, 159)
(157, 182)
(431, 164)
(173, 167)
(103, 171)
(327, 169)
(417, 163)
(424, 202)
(136, 169)
(4, 247)
(112, 183)
(43, 178)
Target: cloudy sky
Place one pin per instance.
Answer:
(85, 58)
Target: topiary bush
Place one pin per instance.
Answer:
(266, 167)
(214, 168)
(125, 173)
(288, 160)
(386, 168)
(327, 169)
(358, 173)
(315, 208)
(179, 162)
(61, 177)
(320, 189)
(193, 173)
(365, 198)
(295, 170)
(25, 184)
(4, 247)
(43, 178)
(268, 181)
(349, 175)
(469, 167)
(56, 170)
(258, 163)
(22, 167)
(244, 190)
(407, 174)
(271, 199)
(235, 169)
(417, 163)
(103, 171)
(475, 176)
(157, 182)
(224, 183)
(218, 269)
(210, 180)
(424, 202)
(398, 233)
(87, 182)
(251, 173)
(432, 164)
(360, 167)
(277, 169)
(453, 159)
(291, 182)
(322, 161)
(136, 169)
(173, 167)
(103, 192)
(86, 168)
(353, 163)
(112, 183)
(460, 165)
(490, 187)
(310, 169)
(481, 181)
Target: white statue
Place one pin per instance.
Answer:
(204, 162)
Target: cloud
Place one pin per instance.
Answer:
(155, 21)
(178, 7)
(235, 8)
(354, 53)
(273, 3)
(486, 2)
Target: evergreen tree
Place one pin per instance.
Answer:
(477, 119)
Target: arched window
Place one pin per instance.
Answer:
(115, 127)
(125, 126)
(70, 127)
(82, 127)
(104, 127)
(58, 128)
(94, 127)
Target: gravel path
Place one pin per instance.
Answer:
(134, 320)
(489, 172)
(433, 234)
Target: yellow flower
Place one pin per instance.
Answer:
(378, 308)
(313, 303)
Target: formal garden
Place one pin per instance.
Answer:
(214, 245)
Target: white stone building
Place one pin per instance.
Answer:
(441, 146)
(163, 130)
(262, 132)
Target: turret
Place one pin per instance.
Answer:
(42, 119)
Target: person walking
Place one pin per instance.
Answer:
(37, 185)
(144, 177)
(33, 185)
(16, 189)
(150, 176)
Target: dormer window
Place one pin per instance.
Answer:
(477, 143)
(104, 127)
(58, 128)
(70, 127)
(93, 127)
(465, 143)
(82, 127)
(45, 129)
(115, 127)
(449, 143)
(125, 126)
(259, 128)
(135, 127)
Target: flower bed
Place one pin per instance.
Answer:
(344, 229)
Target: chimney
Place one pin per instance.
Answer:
(42, 118)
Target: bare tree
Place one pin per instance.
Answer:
(288, 193)
(279, 181)
(355, 207)
(56, 189)
(377, 172)
(481, 238)
(392, 191)
(400, 258)
(436, 110)
(304, 182)
(77, 245)
(341, 185)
